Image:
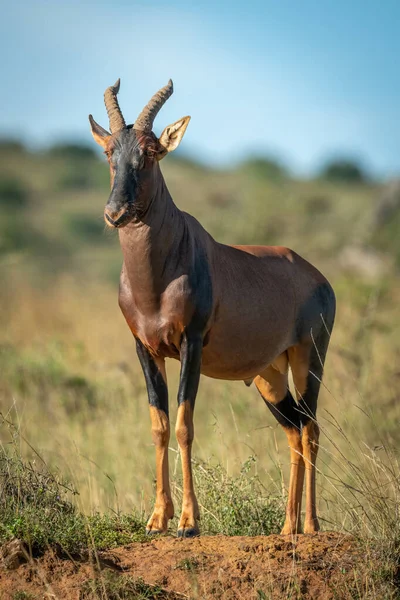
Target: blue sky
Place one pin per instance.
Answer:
(300, 80)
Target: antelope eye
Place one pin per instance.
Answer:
(150, 153)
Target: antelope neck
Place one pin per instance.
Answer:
(149, 243)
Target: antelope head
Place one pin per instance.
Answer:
(133, 153)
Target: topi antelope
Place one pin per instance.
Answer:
(230, 312)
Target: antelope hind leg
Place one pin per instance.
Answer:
(273, 387)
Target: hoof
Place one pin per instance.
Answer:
(190, 532)
(154, 532)
(289, 530)
(311, 526)
(292, 526)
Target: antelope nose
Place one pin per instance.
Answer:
(113, 216)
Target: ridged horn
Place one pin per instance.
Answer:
(115, 117)
(145, 120)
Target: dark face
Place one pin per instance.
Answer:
(132, 156)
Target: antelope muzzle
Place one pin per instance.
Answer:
(117, 216)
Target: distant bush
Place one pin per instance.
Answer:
(264, 168)
(13, 236)
(85, 227)
(78, 164)
(75, 174)
(75, 177)
(17, 235)
(45, 373)
(386, 237)
(74, 151)
(13, 193)
(184, 160)
(318, 204)
(11, 145)
(343, 170)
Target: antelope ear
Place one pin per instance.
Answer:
(100, 134)
(172, 135)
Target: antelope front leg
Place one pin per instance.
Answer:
(191, 349)
(156, 381)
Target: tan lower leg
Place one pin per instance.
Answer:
(272, 384)
(163, 509)
(184, 434)
(293, 509)
(310, 439)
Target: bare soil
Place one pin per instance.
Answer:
(324, 566)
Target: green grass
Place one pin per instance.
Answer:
(235, 505)
(22, 595)
(36, 507)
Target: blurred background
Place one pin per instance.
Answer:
(294, 140)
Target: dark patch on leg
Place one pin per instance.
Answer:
(156, 387)
(191, 350)
(286, 411)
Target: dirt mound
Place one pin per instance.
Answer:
(319, 566)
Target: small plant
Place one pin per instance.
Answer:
(235, 505)
(188, 564)
(22, 595)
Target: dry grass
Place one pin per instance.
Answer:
(71, 381)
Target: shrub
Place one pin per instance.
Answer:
(264, 168)
(10, 145)
(82, 174)
(75, 176)
(74, 151)
(13, 193)
(78, 164)
(318, 204)
(235, 505)
(343, 170)
(85, 227)
(181, 159)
